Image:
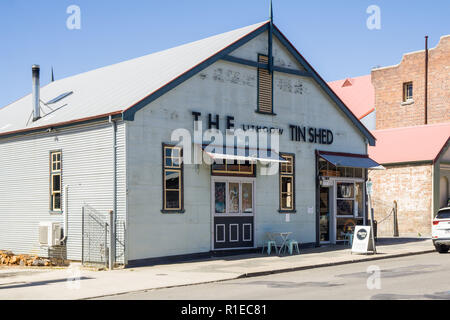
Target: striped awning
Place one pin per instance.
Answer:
(242, 154)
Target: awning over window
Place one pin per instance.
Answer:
(243, 154)
(351, 161)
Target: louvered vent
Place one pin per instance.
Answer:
(265, 87)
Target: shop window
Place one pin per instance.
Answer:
(359, 173)
(287, 184)
(265, 87)
(327, 169)
(233, 197)
(407, 91)
(55, 181)
(345, 199)
(172, 179)
(233, 168)
(359, 199)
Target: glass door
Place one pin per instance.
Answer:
(233, 213)
(349, 207)
(324, 221)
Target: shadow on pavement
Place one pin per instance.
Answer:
(38, 283)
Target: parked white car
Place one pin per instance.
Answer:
(441, 230)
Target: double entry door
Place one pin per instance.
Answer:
(233, 213)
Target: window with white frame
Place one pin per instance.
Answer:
(349, 199)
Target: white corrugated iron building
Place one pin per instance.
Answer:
(104, 144)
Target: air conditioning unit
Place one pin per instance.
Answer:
(49, 234)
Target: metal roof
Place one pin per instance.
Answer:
(114, 88)
(124, 88)
(357, 93)
(410, 144)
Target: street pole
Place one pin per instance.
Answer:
(111, 240)
(369, 193)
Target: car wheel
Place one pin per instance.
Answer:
(442, 249)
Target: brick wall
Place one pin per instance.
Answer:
(411, 187)
(388, 84)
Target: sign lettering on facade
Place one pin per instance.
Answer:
(311, 135)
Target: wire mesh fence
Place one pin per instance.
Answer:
(95, 243)
(96, 238)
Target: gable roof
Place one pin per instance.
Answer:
(357, 93)
(124, 88)
(410, 144)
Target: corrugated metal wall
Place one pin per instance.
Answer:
(87, 153)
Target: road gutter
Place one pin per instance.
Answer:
(286, 270)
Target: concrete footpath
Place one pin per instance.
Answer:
(55, 284)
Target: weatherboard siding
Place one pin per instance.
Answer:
(225, 89)
(87, 168)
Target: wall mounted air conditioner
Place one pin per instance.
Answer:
(49, 234)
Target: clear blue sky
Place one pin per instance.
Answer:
(332, 35)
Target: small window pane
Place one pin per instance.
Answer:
(349, 172)
(358, 173)
(234, 197)
(176, 162)
(286, 201)
(345, 190)
(172, 180)
(56, 183)
(359, 195)
(219, 167)
(220, 195)
(233, 167)
(286, 184)
(175, 153)
(345, 207)
(57, 201)
(247, 197)
(172, 199)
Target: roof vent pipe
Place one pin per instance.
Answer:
(36, 94)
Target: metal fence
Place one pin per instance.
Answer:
(97, 239)
(95, 243)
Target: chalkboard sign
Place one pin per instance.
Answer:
(361, 240)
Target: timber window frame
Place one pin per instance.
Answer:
(233, 168)
(265, 87)
(287, 184)
(55, 183)
(408, 91)
(172, 164)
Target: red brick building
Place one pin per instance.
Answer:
(412, 143)
(417, 162)
(400, 89)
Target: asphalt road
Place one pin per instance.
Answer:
(414, 277)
